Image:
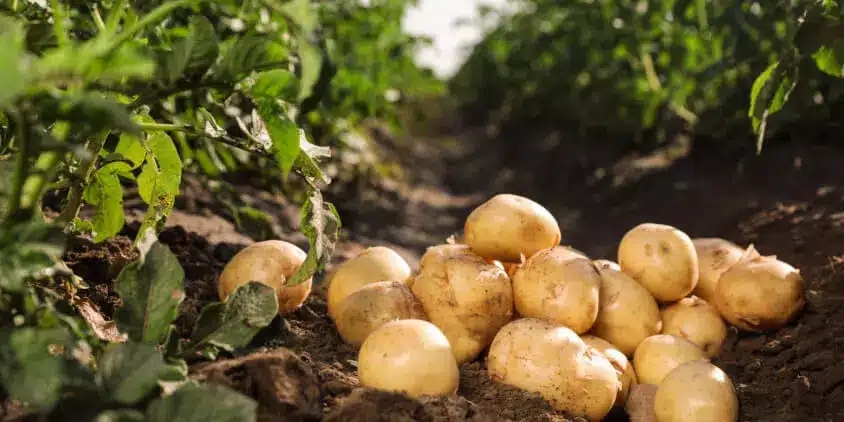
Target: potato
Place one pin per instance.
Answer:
(373, 305)
(270, 262)
(658, 355)
(760, 293)
(537, 356)
(661, 258)
(622, 365)
(468, 298)
(409, 356)
(627, 312)
(714, 256)
(559, 286)
(508, 226)
(373, 264)
(697, 321)
(696, 391)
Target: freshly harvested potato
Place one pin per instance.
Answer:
(537, 356)
(661, 258)
(627, 313)
(559, 286)
(760, 293)
(468, 298)
(373, 264)
(374, 305)
(659, 354)
(696, 391)
(622, 365)
(507, 227)
(410, 356)
(714, 256)
(697, 321)
(270, 262)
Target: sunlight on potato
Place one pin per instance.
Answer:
(697, 321)
(659, 354)
(373, 264)
(715, 256)
(696, 391)
(661, 258)
(374, 305)
(623, 366)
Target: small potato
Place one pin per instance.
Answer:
(409, 356)
(661, 258)
(714, 256)
(659, 354)
(270, 262)
(374, 305)
(507, 227)
(540, 357)
(373, 264)
(760, 293)
(468, 298)
(697, 321)
(559, 286)
(696, 391)
(628, 313)
(622, 365)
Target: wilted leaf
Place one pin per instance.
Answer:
(321, 224)
(151, 289)
(202, 403)
(105, 193)
(30, 369)
(309, 156)
(104, 330)
(158, 183)
(129, 372)
(195, 53)
(283, 132)
(12, 77)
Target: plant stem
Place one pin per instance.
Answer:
(98, 19)
(21, 166)
(83, 174)
(164, 127)
(58, 23)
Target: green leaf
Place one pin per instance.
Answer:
(203, 403)
(12, 77)
(311, 62)
(7, 169)
(123, 415)
(769, 93)
(159, 181)
(151, 288)
(129, 372)
(105, 193)
(252, 52)
(90, 112)
(132, 149)
(275, 84)
(321, 224)
(301, 13)
(195, 53)
(283, 133)
(30, 370)
(233, 323)
(830, 58)
(27, 250)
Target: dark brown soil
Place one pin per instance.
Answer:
(789, 202)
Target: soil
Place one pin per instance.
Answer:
(788, 202)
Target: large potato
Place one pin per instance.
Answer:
(760, 293)
(661, 258)
(468, 298)
(410, 356)
(270, 262)
(659, 354)
(696, 391)
(560, 286)
(374, 305)
(628, 313)
(538, 356)
(507, 227)
(373, 264)
(622, 365)
(714, 256)
(698, 321)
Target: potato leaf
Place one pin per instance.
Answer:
(12, 77)
(158, 183)
(283, 133)
(151, 288)
(27, 250)
(29, 369)
(275, 84)
(309, 156)
(131, 148)
(202, 403)
(105, 193)
(321, 224)
(129, 372)
(250, 53)
(310, 57)
(194, 54)
(769, 93)
(830, 58)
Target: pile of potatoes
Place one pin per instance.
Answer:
(586, 334)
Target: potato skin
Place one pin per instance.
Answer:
(627, 313)
(660, 354)
(537, 356)
(374, 305)
(715, 255)
(468, 298)
(623, 366)
(508, 226)
(696, 391)
(697, 321)
(270, 262)
(373, 264)
(661, 258)
(559, 286)
(409, 356)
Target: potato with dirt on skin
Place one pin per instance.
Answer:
(507, 227)
(661, 258)
(715, 255)
(697, 321)
(373, 305)
(538, 356)
(627, 312)
(468, 298)
(410, 356)
(373, 264)
(560, 286)
(271, 262)
(696, 391)
(760, 293)
(623, 367)
(660, 354)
